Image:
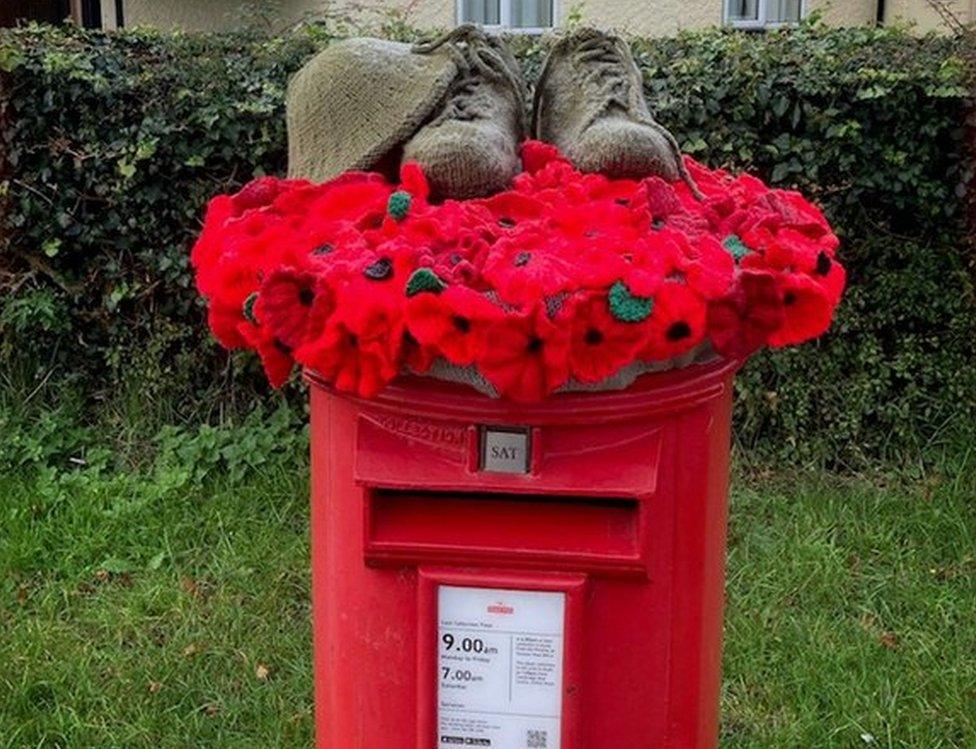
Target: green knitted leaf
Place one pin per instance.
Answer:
(399, 205)
(735, 247)
(424, 280)
(626, 307)
(248, 307)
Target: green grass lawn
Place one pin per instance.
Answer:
(138, 611)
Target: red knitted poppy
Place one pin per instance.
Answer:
(528, 355)
(454, 323)
(599, 344)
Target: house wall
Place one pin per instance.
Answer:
(846, 12)
(649, 18)
(924, 17)
(212, 15)
(109, 20)
(643, 17)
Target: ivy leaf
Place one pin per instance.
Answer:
(780, 172)
(10, 59)
(126, 168)
(51, 247)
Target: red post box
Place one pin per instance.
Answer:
(543, 576)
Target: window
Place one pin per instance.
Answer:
(91, 13)
(759, 14)
(13, 12)
(522, 15)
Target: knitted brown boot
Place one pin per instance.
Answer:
(589, 103)
(470, 148)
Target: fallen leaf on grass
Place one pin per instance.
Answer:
(262, 672)
(191, 650)
(154, 686)
(106, 576)
(889, 640)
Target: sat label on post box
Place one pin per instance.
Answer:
(504, 450)
(500, 668)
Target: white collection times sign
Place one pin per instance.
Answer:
(500, 668)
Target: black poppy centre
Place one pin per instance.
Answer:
(678, 331)
(593, 337)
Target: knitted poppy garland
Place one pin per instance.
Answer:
(565, 278)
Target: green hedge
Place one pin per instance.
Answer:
(114, 142)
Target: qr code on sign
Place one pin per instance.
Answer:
(536, 739)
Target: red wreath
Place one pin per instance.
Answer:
(565, 277)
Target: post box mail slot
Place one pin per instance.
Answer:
(526, 530)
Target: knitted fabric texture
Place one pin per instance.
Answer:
(424, 279)
(621, 380)
(626, 307)
(470, 148)
(358, 100)
(567, 280)
(399, 205)
(590, 104)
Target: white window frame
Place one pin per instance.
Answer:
(505, 18)
(760, 23)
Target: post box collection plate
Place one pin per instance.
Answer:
(500, 667)
(504, 450)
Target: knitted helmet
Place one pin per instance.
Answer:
(354, 102)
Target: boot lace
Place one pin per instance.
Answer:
(603, 58)
(480, 61)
